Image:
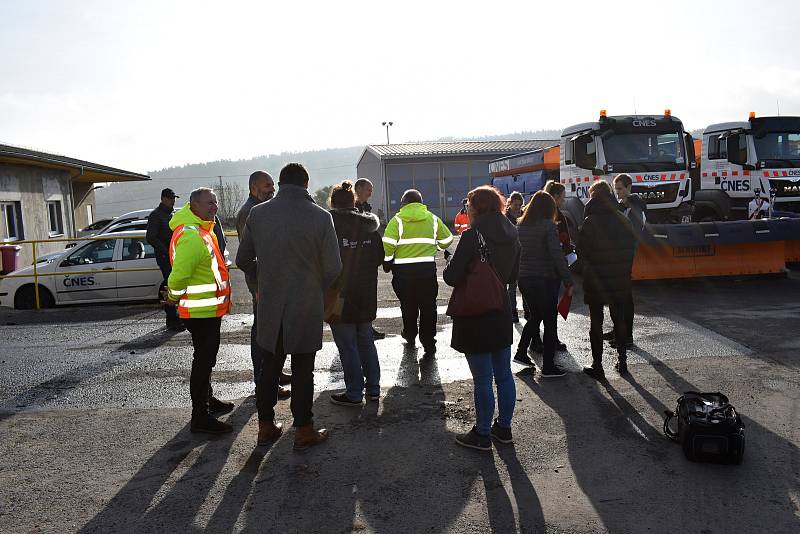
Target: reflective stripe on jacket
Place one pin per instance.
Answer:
(199, 278)
(414, 235)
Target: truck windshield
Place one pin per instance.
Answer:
(644, 151)
(778, 146)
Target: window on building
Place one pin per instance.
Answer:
(12, 221)
(54, 217)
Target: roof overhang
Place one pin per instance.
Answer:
(80, 171)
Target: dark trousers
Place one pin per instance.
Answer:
(617, 310)
(256, 352)
(166, 269)
(542, 297)
(418, 300)
(302, 385)
(537, 320)
(205, 339)
(629, 314)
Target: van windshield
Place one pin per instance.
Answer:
(644, 151)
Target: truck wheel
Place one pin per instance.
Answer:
(25, 298)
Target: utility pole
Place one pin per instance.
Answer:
(221, 193)
(387, 124)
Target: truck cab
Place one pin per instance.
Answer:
(654, 150)
(740, 158)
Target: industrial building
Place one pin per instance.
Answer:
(48, 196)
(442, 172)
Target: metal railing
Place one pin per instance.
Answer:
(36, 274)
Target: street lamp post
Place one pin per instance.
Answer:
(387, 124)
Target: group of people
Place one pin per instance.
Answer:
(305, 264)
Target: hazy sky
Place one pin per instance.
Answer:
(148, 84)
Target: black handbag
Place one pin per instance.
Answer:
(709, 428)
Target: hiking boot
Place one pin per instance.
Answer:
(268, 431)
(608, 336)
(285, 379)
(306, 436)
(552, 372)
(377, 334)
(595, 372)
(621, 367)
(628, 343)
(209, 425)
(284, 393)
(501, 434)
(342, 400)
(473, 440)
(524, 359)
(217, 406)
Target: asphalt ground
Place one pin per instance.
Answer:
(94, 409)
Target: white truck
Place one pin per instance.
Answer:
(653, 149)
(740, 159)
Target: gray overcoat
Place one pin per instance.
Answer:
(289, 245)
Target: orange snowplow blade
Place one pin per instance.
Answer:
(654, 262)
(792, 251)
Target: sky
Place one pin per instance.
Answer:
(151, 84)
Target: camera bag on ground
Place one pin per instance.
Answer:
(709, 428)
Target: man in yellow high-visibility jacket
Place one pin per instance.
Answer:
(200, 286)
(410, 243)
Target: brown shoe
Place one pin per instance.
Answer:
(268, 431)
(284, 393)
(285, 379)
(306, 436)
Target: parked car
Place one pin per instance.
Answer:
(94, 228)
(138, 215)
(96, 281)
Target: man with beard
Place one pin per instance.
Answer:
(262, 189)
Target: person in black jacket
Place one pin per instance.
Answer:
(363, 189)
(486, 339)
(361, 250)
(542, 269)
(635, 209)
(606, 246)
(514, 212)
(159, 235)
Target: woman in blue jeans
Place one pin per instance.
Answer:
(361, 249)
(486, 339)
(542, 269)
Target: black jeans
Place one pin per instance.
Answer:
(629, 314)
(205, 339)
(537, 320)
(166, 269)
(542, 296)
(418, 300)
(617, 310)
(302, 385)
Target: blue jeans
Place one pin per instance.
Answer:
(257, 354)
(359, 358)
(483, 367)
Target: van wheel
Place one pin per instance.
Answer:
(25, 298)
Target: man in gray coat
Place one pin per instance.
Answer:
(262, 189)
(298, 259)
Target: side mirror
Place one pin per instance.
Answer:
(584, 158)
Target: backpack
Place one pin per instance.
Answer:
(709, 428)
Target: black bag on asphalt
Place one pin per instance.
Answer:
(709, 428)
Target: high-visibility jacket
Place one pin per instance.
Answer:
(414, 235)
(462, 222)
(199, 280)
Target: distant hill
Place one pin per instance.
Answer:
(325, 167)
